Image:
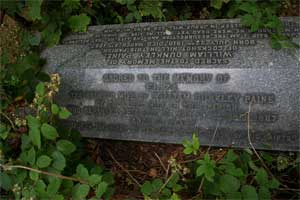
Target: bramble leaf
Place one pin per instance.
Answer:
(79, 23)
(49, 132)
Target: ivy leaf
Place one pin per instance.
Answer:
(34, 9)
(64, 113)
(35, 136)
(49, 132)
(5, 181)
(82, 172)
(229, 184)
(59, 161)
(54, 109)
(80, 191)
(249, 192)
(43, 161)
(79, 23)
(101, 189)
(65, 146)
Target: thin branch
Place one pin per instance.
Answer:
(111, 155)
(9, 167)
(160, 161)
(10, 121)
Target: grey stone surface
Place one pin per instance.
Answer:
(161, 82)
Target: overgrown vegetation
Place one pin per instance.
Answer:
(39, 159)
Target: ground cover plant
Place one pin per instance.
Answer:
(39, 159)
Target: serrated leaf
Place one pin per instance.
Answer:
(65, 146)
(40, 187)
(79, 23)
(80, 191)
(59, 161)
(229, 184)
(5, 181)
(54, 109)
(147, 188)
(101, 189)
(40, 89)
(34, 175)
(31, 156)
(249, 192)
(82, 172)
(64, 113)
(94, 179)
(49, 132)
(262, 177)
(264, 193)
(53, 186)
(217, 4)
(35, 137)
(33, 122)
(43, 161)
(34, 9)
(249, 7)
(173, 180)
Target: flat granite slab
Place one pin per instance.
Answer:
(162, 82)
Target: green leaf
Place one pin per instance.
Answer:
(71, 4)
(94, 179)
(40, 89)
(229, 184)
(264, 193)
(34, 9)
(65, 146)
(249, 7)
(64, 113)
(230, 156)
(4, 130)
(33, 122)
(147, 188)
(49, 132)
(82, 172)
(217, 4)
(274, 184)
(5, 181)
(262, 177)
(173, 180)
(40, 187)
(188, 150)
(34, 175)
(31, 156)
(249, 192)
(101, 189)
(80, 191)
(79, 23)
(51, 34)
(59, 161)
(54, 109)
(43, 161)
(207, 167)
(157, 184)
(35, 136)
(53, 186)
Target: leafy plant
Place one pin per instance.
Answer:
(37, 169)
(193, 146)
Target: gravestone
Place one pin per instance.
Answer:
(162, 82)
